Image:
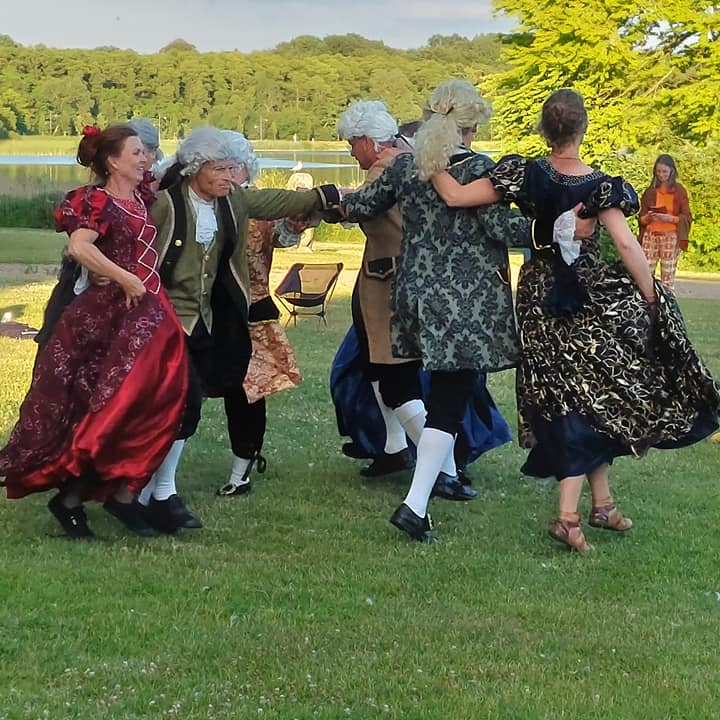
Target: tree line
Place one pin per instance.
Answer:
(297, 90)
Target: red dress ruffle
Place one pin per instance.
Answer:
(108, 388)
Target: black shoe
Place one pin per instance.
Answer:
(231, 490)
(416, 527)
(355, 451)
(131, 515)
(244, 486)
(451, 488)
(463, 477)
(389, 463)
(73, 520)
(170, 515)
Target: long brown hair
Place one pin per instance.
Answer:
(668, 162)
(97, 146)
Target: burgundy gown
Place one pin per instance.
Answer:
(108, 388)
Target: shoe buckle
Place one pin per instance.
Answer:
(429, 522)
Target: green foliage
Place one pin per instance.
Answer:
(33, 212)
(607, 247)
(333, 234)
(273, 178)
(37, 212)
(595, 47)
(697, 172)
(324, 233)
(178, 45)
(649, 78)
(298, 89)
(704, 249)
(39, 145)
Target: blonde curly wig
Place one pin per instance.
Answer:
(453, 107)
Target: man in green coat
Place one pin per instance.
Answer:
(202, 219)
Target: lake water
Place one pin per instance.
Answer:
(28, 175)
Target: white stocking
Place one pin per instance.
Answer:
(395, 440)
(432, 450)
(162, 483)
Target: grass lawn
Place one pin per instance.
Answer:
(31, 247)
(39, 145)
(301, 601)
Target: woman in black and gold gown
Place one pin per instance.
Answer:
(607, 368)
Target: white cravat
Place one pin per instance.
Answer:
(205, 221)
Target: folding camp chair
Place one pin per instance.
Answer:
(307, 289)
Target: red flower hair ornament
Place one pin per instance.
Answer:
(89, 130)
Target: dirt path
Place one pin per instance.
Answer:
(701, 289)
(684, 287)
(16, 271)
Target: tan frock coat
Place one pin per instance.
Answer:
(383, 245)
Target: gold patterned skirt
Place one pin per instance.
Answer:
(272, 366)
(603, 382)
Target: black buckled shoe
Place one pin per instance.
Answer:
(418, 528)
(450, 487)
(72, 520)
(131, 515)
(385, 464)
(230, 489)
(170, 515)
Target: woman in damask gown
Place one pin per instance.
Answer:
(452, 304)
(607, 368)
(108, 387)
(272, 365)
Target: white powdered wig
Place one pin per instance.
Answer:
(367, 118)
(243, 152)
(203, 145)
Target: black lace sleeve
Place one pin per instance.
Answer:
(612, 192)
(508, 177)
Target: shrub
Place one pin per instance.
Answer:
(32, 212)
(338, 234)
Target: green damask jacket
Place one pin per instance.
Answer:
(452, 302)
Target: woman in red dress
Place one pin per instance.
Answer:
(108, 387)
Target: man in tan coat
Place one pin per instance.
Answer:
(371, 133)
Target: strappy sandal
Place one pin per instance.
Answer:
(608, 517)
(570, 534)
